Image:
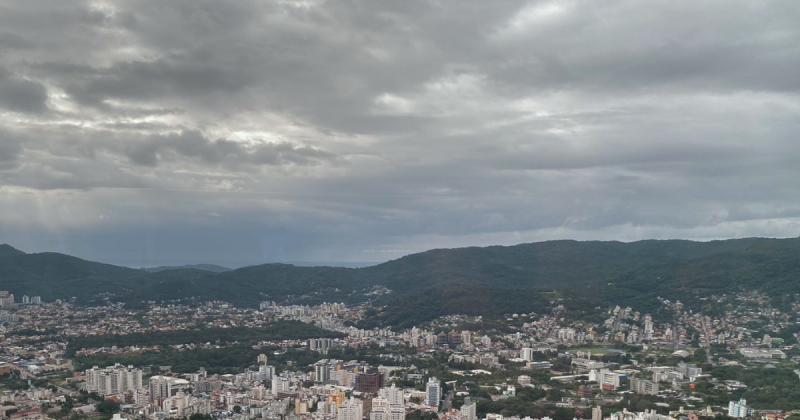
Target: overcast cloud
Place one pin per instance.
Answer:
(158, 132)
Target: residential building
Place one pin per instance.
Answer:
(469, 411)
(433, 392)
(739, 409)
(644, 386)
(597, 413)
(351, 409)
(113, 380)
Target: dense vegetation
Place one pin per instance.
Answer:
(766, 387)
(238, 357)
(222, 360)
(280, 330)
(12, 382)
(479, 281)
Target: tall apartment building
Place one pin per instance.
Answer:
(644, 386)
(382, 409)
(393, 395)
(160, 388)
(6, 299)
(322, 372)
(648, 327)
(265, 372)
(469, 411)
(606, 378)
(369, 382)
(280, 384)
(351, 409)
(597, 413)
(466, 338)
(390, 405)
(739, 409)
(321, 345)
(433, 392)
(689, 371)
(114, 380)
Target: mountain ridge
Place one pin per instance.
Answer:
(473, 280)
(204, 267)
(7, 250)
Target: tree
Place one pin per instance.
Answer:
(419, 415)
(237, 409)
(555, 395)
(107, 407)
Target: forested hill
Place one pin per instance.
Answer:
(9, 251)
(473, 280)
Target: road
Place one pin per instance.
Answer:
(706, 338)
(448, 401)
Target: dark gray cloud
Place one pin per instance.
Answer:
(360, 130)
(10, 151)
(9, 41)
(192, 144)
(18, 94)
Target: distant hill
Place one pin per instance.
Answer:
(7, 250)
(204, 267)
(481, 281)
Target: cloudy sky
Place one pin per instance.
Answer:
(148, 132)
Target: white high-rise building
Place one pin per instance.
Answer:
(648, 327)
(160, 388)
(430, 340)
(322, 372)
(605, 378)
(178, 403)
(351, 409)
(434, 392)
(390, 404)
(396, 412)
(597, 413)
(689, 371)
(383, 409)
(739, 409)
(566, 334)
(379, 403)
(466, 338)
(6, 299)
(526, 353)
(280, 384)
(643, 386)
(113, 380)
(393, 394)
(486, 341)
(321, 345)
(469, 411)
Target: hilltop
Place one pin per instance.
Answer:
(7, 250)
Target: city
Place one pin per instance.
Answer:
(671, 364)
(399, 210)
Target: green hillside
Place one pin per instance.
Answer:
(480, 281)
